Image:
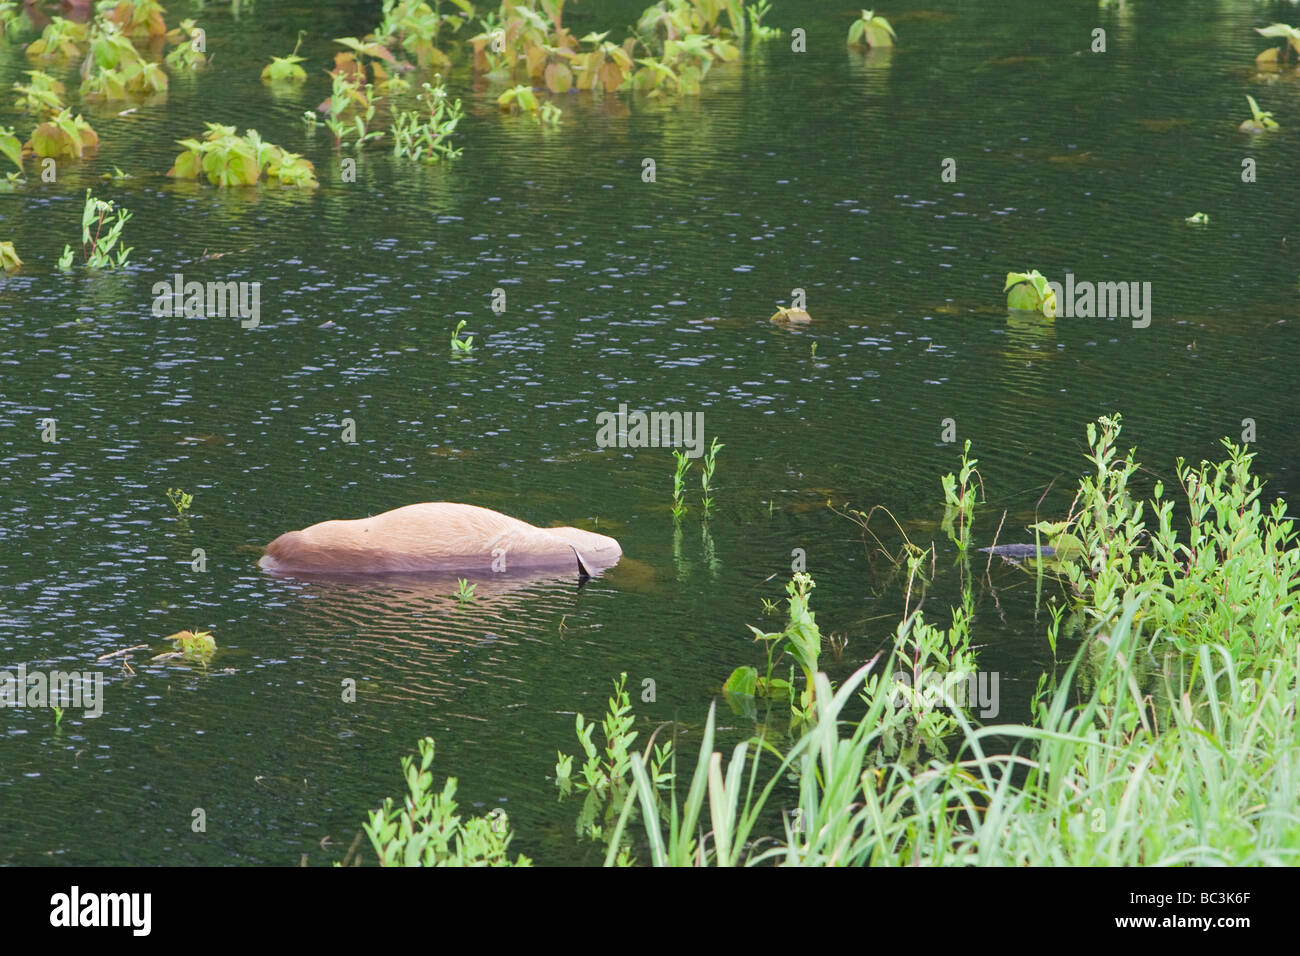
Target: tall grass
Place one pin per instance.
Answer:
(1170, 739)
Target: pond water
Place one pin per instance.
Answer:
(818, 170)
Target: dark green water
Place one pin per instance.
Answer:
(819, 171)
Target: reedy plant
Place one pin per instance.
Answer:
(97, 249)
(426, 830)
(959, 497)
(706, 476)
(683, 465)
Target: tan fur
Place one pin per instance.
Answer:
(436, 536)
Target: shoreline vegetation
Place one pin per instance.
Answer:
(1169, 739)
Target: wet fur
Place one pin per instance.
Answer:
(436, 536)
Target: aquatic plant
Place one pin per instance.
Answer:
(137, 19)
(605, 771)
(1031, 292)
(189, 53)
(63, 135)
(9, 260)
(285, 69)
(114, 67)
(61, 38)
(11, 16)
(227, 159)
(414, 26)
(1170, 738)
(1260, 121)
(706, 476)
(793, 316)
(519, 99)
(42, 94)
(180, 500)
(959, 500)
(464, 591)
(425, 829)
(683, 464)
(465, 345)
(1289, 48)
(800, 638)
(97, 249)
(425, 136)
(195, 646)
(1198, 219)
(871, 30)
(755, 13)
(11, 146)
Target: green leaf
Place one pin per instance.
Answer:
(743, 680)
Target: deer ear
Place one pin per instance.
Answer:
(583, 573)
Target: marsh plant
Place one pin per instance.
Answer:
(1260, 121)
(800, 638)
(682, 465)
(520, 99)
(63, 135)
(114, 69)
(194, 646)
(1289, 49)
(458, 345)
(1170, 738)
(286, 69)
(180, 500)
(189, 53)
(226, 159)
(959, 497)
(101, 231)
(871, 30)
(706, 475)
(426, 830)
(605, 771)
(9, 260)
(1031, 292)
(465, 591)
(425, 135)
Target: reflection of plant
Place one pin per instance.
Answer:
(871, 30)
(1260, 121)
(1031, 292)
(425, 829)
(97, 249)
